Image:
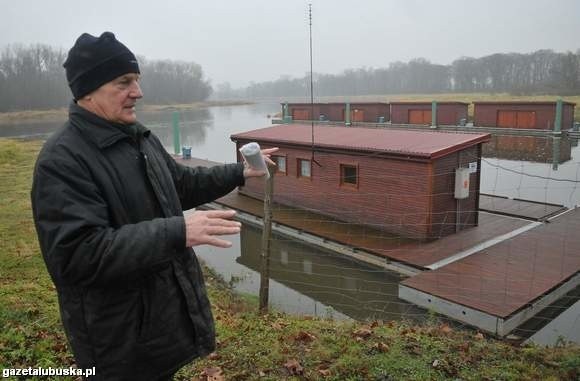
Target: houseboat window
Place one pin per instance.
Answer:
(280, 163)
(303, 168)
(348, 174)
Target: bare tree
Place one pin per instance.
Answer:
(32, 77)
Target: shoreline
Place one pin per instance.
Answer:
(60, 114)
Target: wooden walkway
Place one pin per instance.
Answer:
(414, 253)
(509, 277)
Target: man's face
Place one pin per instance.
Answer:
(115, 101)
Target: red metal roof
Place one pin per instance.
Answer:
(520, 103)
(428, 103)
(423, 144)
(332, 103)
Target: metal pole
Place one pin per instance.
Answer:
(311, 83)
(434, 114)
(457, 201)
(347, 114)
(555, 152)
(285, 112)
(176, 144)
(266, 240)
(558, 120)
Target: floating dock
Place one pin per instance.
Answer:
(500, 287)
(521, 257)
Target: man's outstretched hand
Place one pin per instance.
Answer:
(203, 227)
(251, 172)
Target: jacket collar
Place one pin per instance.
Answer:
(101, 131)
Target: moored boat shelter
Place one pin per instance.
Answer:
(524, 115)
(400, 181)
(369, 112)
(447, 113)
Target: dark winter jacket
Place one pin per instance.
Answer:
(107, 206)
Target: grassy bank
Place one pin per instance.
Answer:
(33, 116)
(193, 106)
(250, 347)
(56, 115)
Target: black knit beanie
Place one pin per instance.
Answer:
(94, 61)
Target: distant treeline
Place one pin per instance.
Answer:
(543, 71)
(32, 77)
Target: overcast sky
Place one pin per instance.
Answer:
(254, 40)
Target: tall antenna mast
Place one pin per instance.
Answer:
(311, 86)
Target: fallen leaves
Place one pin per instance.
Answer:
(443, 365)
(445, 329)
(294, 367)
(276, 326)
(380, 347)
(279, 325)
(323, 370)
(362, 333)
(464, 347)
(214, 356)
(304, 337)
(413, 348)
(212, 374)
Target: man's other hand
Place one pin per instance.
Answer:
(203, 227)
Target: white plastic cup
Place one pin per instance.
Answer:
(253, 156)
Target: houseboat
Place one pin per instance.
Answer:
(338, 112)
(447, 113)
(525, 115)
(418, 184)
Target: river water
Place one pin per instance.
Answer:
(307, 280)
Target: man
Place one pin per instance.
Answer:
(107, 203)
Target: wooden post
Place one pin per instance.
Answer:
(266, 240)
(176, 145)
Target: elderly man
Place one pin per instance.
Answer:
(107, 202)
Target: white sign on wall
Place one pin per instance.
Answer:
(473, 167)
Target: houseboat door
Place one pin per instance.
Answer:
(358, 115)
(516, 119)
(419, 116)
(300, 114)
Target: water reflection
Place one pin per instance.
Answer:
(557, 324)
(354, 289)
(208, 130)
(193, 126)
(541, 149)
(308, 281)
(39, 130)
(247, 280)
(542, 169)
